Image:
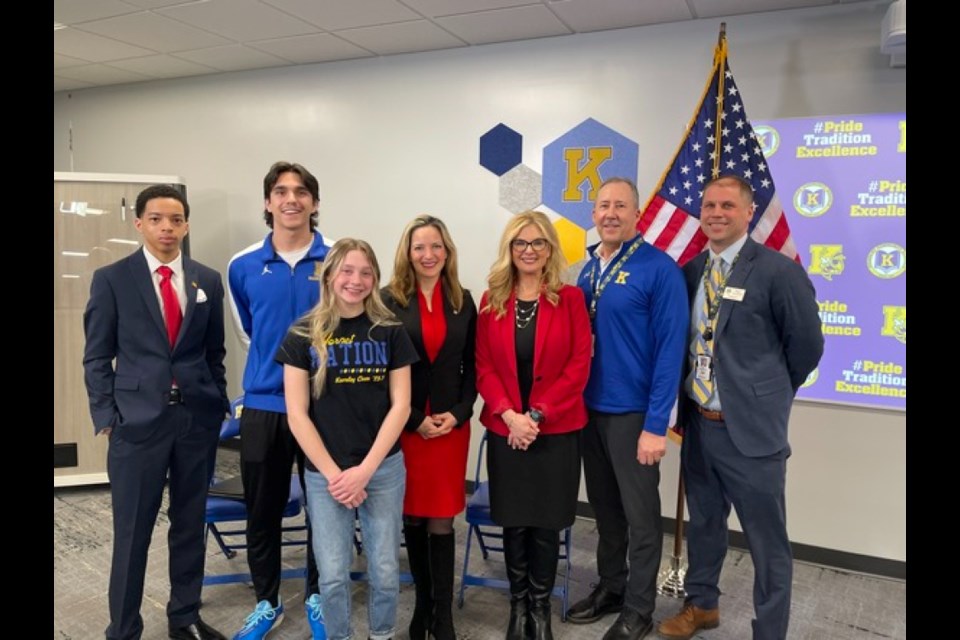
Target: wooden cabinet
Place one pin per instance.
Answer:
(93, 216)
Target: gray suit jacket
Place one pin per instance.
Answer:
(764, 346)
(123, 321)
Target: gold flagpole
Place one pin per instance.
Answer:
(719, 62)
(670, 579)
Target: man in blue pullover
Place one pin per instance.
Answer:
(272, 283)
(637, 301)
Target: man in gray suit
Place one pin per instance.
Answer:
(754, 337)
(153, 366)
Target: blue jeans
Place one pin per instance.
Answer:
(380, 523)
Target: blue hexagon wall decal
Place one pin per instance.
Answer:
(576, 163)
(501, 149)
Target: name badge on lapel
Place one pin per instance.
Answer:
(734, 293)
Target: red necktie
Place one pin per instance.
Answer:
(172, 314)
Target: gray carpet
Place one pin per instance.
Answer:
(827, 604)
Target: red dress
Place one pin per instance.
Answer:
(436, 468)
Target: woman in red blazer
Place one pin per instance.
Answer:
(533, 361)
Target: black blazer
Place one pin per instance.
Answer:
(450, 381)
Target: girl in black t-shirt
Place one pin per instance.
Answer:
(346, 381)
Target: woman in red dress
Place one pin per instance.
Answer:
(441, 318)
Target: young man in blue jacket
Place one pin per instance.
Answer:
(272, 283)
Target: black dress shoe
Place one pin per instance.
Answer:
(596, 605)
(630, 625)
(199, 630)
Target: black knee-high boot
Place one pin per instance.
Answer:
(418, 555)
(543, 550)
(515, 552)
(441, 577)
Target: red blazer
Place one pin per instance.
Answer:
(561, 363)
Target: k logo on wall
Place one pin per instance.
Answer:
(574, 166)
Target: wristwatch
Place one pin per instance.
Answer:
(536, 415)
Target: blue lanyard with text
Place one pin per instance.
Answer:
(597, 285)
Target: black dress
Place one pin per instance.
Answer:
(538, 487)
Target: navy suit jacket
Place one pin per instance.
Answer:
(764, 345)
(128, 363)
(450, 381)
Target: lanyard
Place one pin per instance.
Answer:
(597, 286)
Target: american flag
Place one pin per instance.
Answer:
(719, 141)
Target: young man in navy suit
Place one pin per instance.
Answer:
(754, 337)
(153, 366)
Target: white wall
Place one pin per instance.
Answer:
(393, 137)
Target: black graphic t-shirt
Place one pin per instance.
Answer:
(356, 396)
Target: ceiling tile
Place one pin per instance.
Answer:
(232, 35)
(718, 8)
(346, 14)
(500, 25)
(596, 15)
(320, 47)
(66, 84)
(241, 20)
(74, 11)
(404, 37)
(101, 74)
(89, 46)
(233, 57)
(155, 32)
(436, 8)
(163, 66)
(62, 62)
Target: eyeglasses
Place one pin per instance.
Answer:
(520, 245)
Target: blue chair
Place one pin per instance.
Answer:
(225, 503)
(490, 538)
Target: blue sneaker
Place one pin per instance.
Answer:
(262, 621)
(315, 617)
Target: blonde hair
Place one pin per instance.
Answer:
(404, 281)
(324, 318)
(503, 273)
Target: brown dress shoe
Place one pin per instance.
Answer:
(690, 620)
